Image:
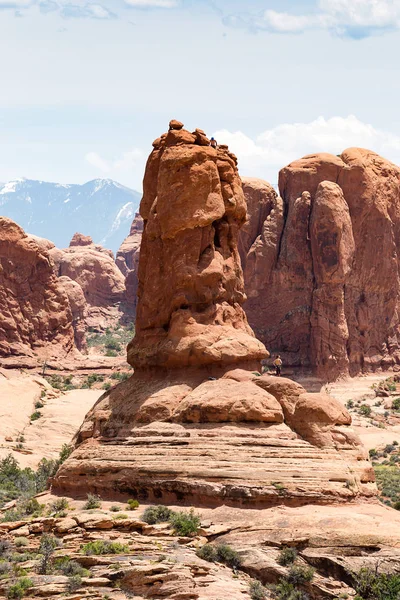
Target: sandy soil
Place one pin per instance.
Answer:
(62, 414)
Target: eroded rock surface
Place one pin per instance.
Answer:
(36, 317)
(93, 268)
(197, 422)
(322, 272)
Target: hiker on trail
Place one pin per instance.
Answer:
(278, 364)
(213, 143)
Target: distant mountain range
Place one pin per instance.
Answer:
(101, 208)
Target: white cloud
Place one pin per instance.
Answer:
(85, 11)
(95, 160)
(277, 147)
(349, 18)
(15, 3)
(152, 3)
(130, 163)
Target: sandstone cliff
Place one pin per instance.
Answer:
(196, 422)
(322, 271)
(36, 318)
(127, 260)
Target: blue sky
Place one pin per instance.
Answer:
(86, 86)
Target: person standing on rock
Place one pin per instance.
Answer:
(213, 142)
(278, 365)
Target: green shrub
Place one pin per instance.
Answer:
(104, 547)
(74, 583)
(133, 504)
(107, 386)
(287, 591)
(299, 574)
(371, 585)
(5, 547)
(396, 404)
(65, 452)
(157, 514)
(21, 541)
(48, 544)
(228, 555)
(119, 376)
(19, 589)
(350, 404)
(113, 344)
(287, 556)
(70, 567)
(39, 404)
(59, 505)
(391, 386)
(388, 482)
(111, 353)
(92, 501)
(185, 523)
(121, 516)
(207, 552)
(114, 508)
(257, 590)
(36, 415)
(6, 569)
(365, 410)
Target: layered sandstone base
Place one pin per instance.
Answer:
(175, 438)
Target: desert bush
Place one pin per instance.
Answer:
(70, 567)
(185, 523)
(287, 591)
(36, 415)
(121, 516)
(48, 544)
(5, 547)
(111, 353)
(257, 590)
(365, 410)
(388, 482)
(396, 404)
(74, 583)
(92, 501)
(5, 569)
(299, 574)
(59, 505)
(115, 508)
(120, 376)
(220, 553)
(287, 556)
(350, 404)
(107, 386)
(20, 542)
(157, 514)
(228, 555)
(371, 585)
(20, 588)
(104, 547)
(133, 504)
(207, 552)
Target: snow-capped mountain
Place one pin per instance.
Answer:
(101, 208)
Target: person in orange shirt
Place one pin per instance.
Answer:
(278, 365)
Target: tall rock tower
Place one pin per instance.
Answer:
(197, 422)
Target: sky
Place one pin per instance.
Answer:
(87, 85)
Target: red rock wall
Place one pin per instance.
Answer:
(322, 273)
(35, 313)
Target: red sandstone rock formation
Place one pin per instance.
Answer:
(35, 312)
(322, 272)
(94, 269)
(190, 425)
(127, 261)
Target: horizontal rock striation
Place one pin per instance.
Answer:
(322, 268)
